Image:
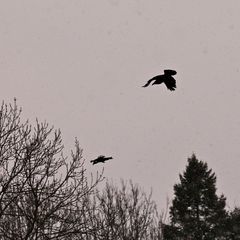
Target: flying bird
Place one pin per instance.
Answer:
(166, 78)
(100, 159)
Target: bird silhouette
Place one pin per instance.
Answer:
(100, 159)
(166, 78)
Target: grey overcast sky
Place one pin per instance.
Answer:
(80, 65)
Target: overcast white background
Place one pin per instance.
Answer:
(80, 65)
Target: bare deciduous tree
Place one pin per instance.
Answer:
(42, 193)
(125, 213)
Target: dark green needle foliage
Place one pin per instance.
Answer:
(197, 212)
(234, 224)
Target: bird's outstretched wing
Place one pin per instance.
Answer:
(94, 161)
(148, 82)
(170, 83)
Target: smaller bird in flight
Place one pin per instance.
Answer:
(166, 78)
(100, 159)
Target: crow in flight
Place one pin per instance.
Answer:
(101, 159)
(166, 78)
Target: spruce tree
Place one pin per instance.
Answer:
(197, 212)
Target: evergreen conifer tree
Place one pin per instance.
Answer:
(197, 212)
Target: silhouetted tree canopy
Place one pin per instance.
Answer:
(234, 224)
(124, 213)
(197, 212)
(42, 191)
(46, 195)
